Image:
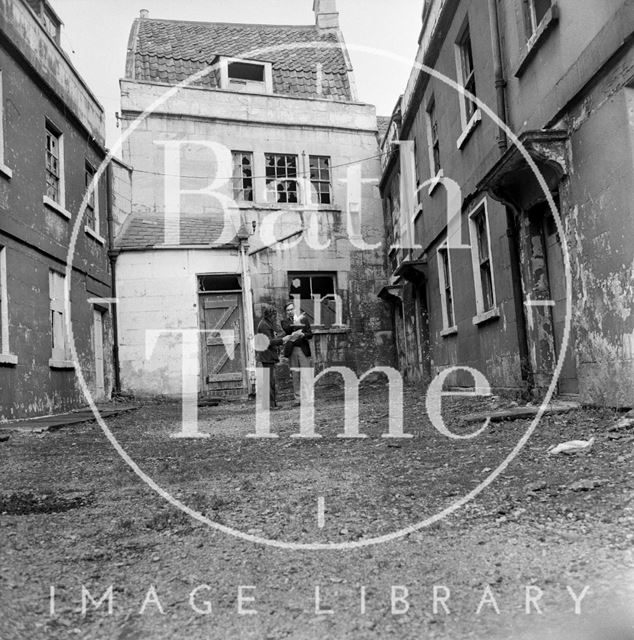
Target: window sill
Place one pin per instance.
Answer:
(487, 316)
(61, 364)
(94, 235)
(435, 181)
(5, 171)
(476, 118)
(54, 206)
(319, 330)
(451, 331)
(8, 359)
(529, 50)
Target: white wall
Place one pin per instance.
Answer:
(158, 290)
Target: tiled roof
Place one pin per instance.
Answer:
(169, 51)
(144, 231)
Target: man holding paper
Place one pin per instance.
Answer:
(297, 348)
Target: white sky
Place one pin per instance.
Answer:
(95, 36)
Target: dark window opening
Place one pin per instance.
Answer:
(535, 11)
(307, 285)
(214, 283)
(246, 71)
(91, 218)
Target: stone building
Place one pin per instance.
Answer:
(486, 287)
(254, 181)
(51, 144)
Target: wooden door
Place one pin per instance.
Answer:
(568, 383)
(223, 371)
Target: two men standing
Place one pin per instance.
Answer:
(296, 347)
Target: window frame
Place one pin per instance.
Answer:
(483, 311)
(470, 113)
(445, 281)
(4, 170)
(239, 192)
(92, 204)
(277, 180)
(433, 137)
(312, 274)
(60, 355)
(54, 133)
(314, 191)
(248, 86)
(531, 23)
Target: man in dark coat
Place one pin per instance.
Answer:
(269, 357)
(297, 348)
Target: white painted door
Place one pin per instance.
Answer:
(100, 390)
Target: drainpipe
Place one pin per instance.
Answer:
(498, 70)
(511, 211)
(249, 326)
(112, 256)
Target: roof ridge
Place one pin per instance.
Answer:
(258, 25)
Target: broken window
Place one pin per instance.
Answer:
(59, 342)
(446, 289)
(481, 252)
(307, 285)
(92, 212)
(466, 74)
(281, 178)
(535, 11)
(242, 176)
(320, 179)
(54, 165)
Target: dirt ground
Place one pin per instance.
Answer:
(75, 515)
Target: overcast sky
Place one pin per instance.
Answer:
(95, 36)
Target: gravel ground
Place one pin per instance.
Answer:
(74, 513)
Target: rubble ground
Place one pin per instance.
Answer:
(74, 513)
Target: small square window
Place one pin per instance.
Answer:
(310, 285)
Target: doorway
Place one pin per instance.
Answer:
(97, 341)
(223, 362)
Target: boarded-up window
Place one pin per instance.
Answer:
(59, 341)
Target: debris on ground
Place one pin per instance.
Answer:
(572, 446)
(519, 413)
(626, 422)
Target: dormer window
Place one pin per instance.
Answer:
(246, 75)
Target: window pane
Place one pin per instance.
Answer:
(541, 8)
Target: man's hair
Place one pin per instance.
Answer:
(268, 311)
(290, 304)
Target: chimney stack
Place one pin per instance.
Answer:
(144, 13)
(326, 14)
